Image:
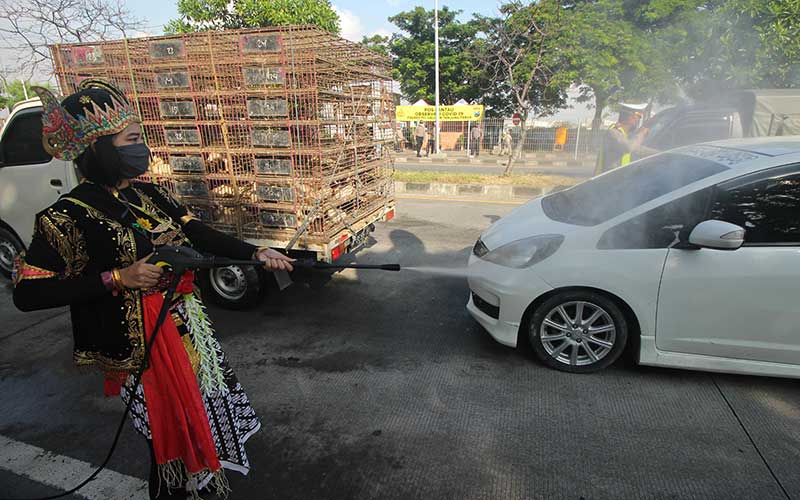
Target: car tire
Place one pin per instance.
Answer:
(10, 246)
(233, 287)
(562, 342)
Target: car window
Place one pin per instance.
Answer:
(22, 141)
(661, 227)
(699, 128)
(607, 196)
(768, 208)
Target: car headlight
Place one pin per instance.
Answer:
(525, 252)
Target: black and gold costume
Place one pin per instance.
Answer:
(90, 231)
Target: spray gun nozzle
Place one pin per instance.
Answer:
(314, 264)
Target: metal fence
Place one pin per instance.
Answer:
(575, 140)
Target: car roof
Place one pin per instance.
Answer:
(33, 102)
(747, 155)
(767, 146)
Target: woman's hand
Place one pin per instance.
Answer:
(274, 260)
(140, 274)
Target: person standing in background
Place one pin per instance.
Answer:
(477, 135)
(399, 140)
(505, 144)
(431, 144)
(419, 135)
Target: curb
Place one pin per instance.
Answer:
(473, 191)
(496, 163)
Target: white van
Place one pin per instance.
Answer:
(30, 179)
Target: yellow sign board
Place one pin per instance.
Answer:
(446, 113)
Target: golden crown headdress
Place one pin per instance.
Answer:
(70, 126)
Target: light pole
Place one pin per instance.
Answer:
(436, 64)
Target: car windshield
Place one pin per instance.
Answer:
(603, 198)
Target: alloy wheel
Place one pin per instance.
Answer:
(578, 333)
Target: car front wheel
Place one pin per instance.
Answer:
(578, 332)
(10, 246)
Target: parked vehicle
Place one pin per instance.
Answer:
(690, 257)
(731, 115)
(31, 180)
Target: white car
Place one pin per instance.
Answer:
(691, 257)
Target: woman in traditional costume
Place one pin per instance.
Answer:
(89, 252)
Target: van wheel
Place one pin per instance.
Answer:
(10, 246)
(234, 287)
(578, 332)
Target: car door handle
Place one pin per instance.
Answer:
(56, 183)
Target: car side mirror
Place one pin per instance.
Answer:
(718, 235)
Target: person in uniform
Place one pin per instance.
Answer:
(622, 139)
(89, 252)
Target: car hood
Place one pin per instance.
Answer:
(525, 221)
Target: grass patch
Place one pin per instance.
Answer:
(533, 180)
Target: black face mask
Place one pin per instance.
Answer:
(135, 160)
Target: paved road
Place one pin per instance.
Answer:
(380, 386)
(581, 171)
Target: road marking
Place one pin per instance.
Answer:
(65, 473)
(467, 200)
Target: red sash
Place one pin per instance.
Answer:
(178, 419)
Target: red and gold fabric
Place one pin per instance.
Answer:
(24, 271)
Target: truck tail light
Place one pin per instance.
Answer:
(389, 215)
(338, 251)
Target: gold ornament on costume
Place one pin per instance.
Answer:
(144, 223)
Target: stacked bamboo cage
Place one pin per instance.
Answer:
(257, 131)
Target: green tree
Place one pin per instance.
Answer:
(521, 56)
(378, 43)
(704, 47)
(413, 56)
(739, 44)
(611, 57)
(198, 15)
(14, 92)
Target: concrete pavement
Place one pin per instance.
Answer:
(376, 385)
